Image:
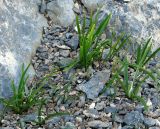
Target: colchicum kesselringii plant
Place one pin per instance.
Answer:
(132, 83)
(22, 100)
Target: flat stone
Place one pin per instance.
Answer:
(95, 85)
(98, 124)
(133, 118)
(93, 4)
(110, 110)
(64, 62)
(73, 43)
(100, 106)
(93, 113)
(68, 125)
(30, 118)
(64, 53)
(82, 101)
(154, 127)
(149, 122)
(61, 12)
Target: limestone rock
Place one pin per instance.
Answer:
(61, 12)
(20, 35)
(138, 18)
(93, 4)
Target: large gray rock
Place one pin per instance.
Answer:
(92, 4)
(20, 34)
(140, 18)
(95, 85)
(61, 12)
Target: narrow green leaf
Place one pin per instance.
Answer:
(102, 26)
(152, 55)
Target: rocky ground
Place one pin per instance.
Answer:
(77, 92)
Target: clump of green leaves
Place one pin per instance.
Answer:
(116, 44)
(131, 83)
(90, 45)
(22, 98)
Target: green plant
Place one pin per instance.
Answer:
(90, 45)
(116, 44)
(22, 100)
(131, 83)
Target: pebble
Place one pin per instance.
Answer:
(100, 106)
(98, 124)
(79, 119)
(68, 125)
(82, 101)
(92, 106)
(73, 43)
(149, 122)
(110, 110)
(64, 53)
(30, 118)
(93, 113)
(133, 118)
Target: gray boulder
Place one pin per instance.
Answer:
(92, 4)
(140, 18)
(20, 35)
(61, 12)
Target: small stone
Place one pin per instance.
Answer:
(5, 122)
(64, 62)
(128, 127)
(63, 47)
(82, 101)
(92, 106)
(126, 1)
(154, 127)
(68, 125)
(76, 8)
(157, 122)
(93, 113)
(133, 118)
(118, 119)
(103, 36)
(149, 103)
(110, 110)
(56, 54)
(73, 43)
(69, 35)
(64, 53)
(30, 118)
(149, 122)
(98, 124)
(69, 119)
(53, 121)
(95, 85)
(100, 106)
(43, 7)
(79, 119)
(62, 108)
